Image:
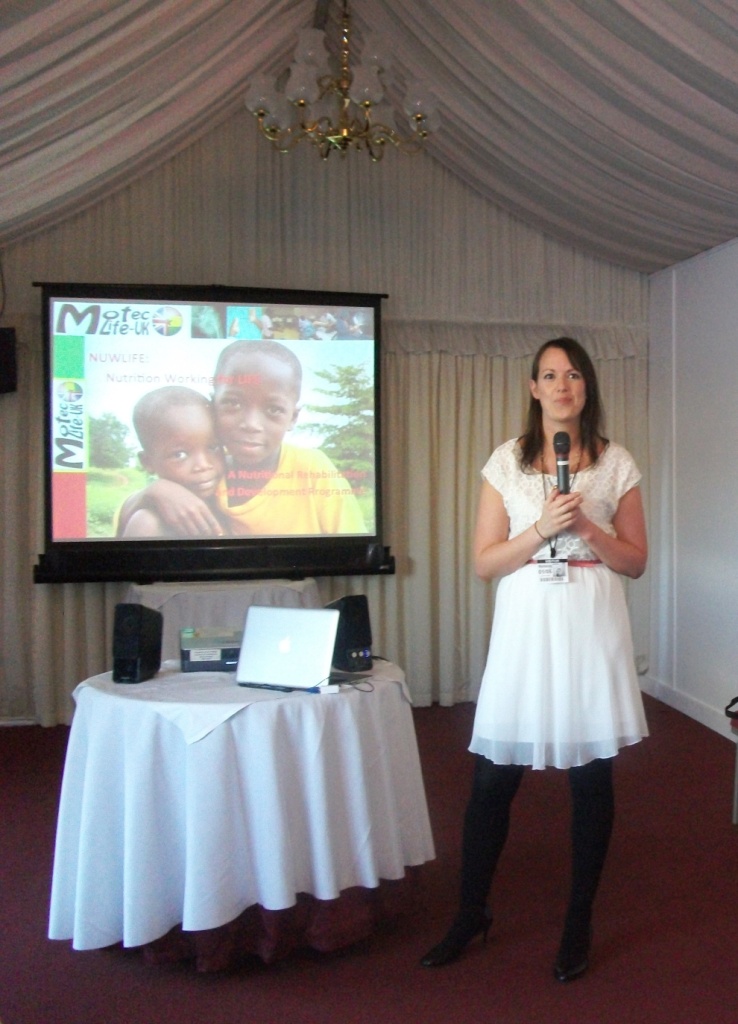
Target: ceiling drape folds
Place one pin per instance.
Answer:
(610, 126)
(95, 94)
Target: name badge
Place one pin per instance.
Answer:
(553, 570)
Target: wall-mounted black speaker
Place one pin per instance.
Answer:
(136, 643)
(8, 364)
(353, 650)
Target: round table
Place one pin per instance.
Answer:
(188, 801)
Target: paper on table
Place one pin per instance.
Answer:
(197, 703)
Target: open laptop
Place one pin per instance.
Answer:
(287, 648)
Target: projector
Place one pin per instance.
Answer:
(209, 649)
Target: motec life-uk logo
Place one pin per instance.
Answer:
(117, 320)
(76, 324)
(69, 425)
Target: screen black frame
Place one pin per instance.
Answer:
(207, 559)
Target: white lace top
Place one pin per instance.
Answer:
(602, 485)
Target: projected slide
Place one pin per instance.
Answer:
(198, 419)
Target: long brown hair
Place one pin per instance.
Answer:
(592, 419)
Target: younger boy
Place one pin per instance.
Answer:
(178, 443)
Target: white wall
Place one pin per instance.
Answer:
(693, 424)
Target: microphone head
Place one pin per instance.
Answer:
(562, 443)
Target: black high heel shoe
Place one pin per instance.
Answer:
(573, 956)
(466, 926)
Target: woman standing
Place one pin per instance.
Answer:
(559, 689)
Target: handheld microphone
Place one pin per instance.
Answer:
(562, 447)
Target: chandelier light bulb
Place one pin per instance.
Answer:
(311, 48)
(366, 88)
(302, 85)
(419, 100)
(375, 51)
(261, 95)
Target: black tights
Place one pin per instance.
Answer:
(487, 821)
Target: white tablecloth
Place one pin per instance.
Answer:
(217, 604)
(285, 794)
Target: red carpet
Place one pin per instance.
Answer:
(665, 927)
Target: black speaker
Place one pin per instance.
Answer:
(8, 367)
(353, 650)
(136, 643)
(374, 556)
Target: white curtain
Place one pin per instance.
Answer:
(472, 292)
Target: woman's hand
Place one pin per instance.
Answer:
(560, 512)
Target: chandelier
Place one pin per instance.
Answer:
(341, 110)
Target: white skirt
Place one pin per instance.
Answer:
(560, 685)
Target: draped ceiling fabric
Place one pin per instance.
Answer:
(612, 125)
